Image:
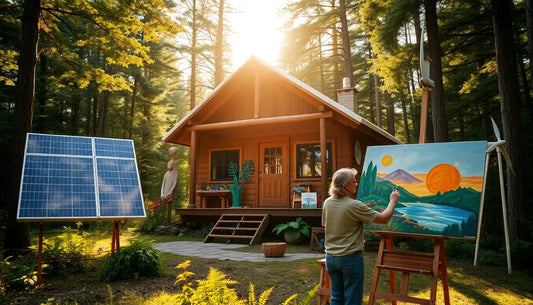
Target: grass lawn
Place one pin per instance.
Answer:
(468, 284)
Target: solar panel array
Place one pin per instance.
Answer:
(71, 177)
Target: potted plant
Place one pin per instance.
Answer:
(247, 168)
(293, 230)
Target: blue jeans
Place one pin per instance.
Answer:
(347, 274)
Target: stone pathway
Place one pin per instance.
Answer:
(225, 252)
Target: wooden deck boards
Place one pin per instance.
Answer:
(277, 215)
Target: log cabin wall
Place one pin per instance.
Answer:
(247, 140)
(230, 121)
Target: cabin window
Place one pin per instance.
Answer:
(308, 160)
(220, 160)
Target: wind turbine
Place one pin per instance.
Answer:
(499, 146)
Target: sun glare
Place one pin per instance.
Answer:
(256, 27)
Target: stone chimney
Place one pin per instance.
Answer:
(347, 96)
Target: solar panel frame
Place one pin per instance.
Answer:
(69, 178)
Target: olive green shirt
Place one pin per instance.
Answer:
(343, 220)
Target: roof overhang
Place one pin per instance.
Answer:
(185, 124)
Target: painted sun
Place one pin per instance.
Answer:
(442, 178)
(386, 160)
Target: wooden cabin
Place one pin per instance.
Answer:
(292, 132)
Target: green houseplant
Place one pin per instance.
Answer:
(293, 230)
(247, 168)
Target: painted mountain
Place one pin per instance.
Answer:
(401, 175)
(440, 187)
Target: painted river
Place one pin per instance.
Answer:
(434, 216)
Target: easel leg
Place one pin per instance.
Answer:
(375, 280)
(444, 273)
(390, 246)
(435, 269)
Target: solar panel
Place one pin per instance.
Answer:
(71, 177)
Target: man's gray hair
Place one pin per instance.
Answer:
(340, 178)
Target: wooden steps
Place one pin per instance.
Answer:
(239, 226)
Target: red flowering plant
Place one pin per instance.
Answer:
(154, 206)
(155, 215)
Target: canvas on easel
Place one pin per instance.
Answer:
(440, 186)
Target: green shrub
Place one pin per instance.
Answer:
(65, 253)
(137, 259)
(460, 248)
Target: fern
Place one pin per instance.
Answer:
(215, 290)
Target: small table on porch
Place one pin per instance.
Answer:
(223, 195)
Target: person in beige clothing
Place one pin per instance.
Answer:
(343, 219)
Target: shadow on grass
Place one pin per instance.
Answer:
(471, 292)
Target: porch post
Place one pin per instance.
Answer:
(192, 164)
(323, 152)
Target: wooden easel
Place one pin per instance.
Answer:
(429, 264)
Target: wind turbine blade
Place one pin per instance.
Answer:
(507, 159)
(496, 130)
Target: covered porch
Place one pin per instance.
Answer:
(277, 215)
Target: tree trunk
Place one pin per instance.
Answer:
(17, 234)
(41, 95)
(193, 57)
(529, 23)
(390, 113)
(404, 117)
(75, 114)
(103, 114)
(337, 80)
(510, 105)
(219, 48)
(132, 109)
(438, 111)
(348, 69)
(376, 100)
(95, 113)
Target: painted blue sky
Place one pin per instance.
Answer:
(467, 157)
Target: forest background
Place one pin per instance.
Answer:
(133, 68)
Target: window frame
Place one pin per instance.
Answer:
(297, 163)
(211, 180)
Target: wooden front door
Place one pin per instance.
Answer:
(274, 174)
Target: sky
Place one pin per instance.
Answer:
(467, 157)
(256, 27)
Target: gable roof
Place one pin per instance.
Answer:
(253, 62)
